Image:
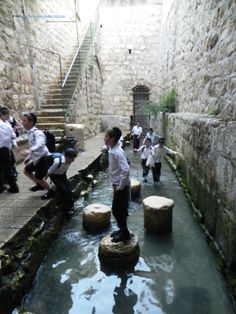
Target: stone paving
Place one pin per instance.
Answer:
(17, 209)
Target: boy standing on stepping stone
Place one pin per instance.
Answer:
(119, 178)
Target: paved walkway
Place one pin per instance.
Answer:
(17, 209)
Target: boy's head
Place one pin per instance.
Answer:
(150, 130)
(161, 141)
(148, 142)
(112, 136)
(29, 120)
(4, 113)
(70, 155)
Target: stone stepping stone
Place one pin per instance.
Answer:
(96, 217)
(158, 214)
(135, 188)
(119, 254)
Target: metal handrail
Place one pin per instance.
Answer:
(89, 30)
(72, 63)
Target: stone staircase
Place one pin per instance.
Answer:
(55, 108)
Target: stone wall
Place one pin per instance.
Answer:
(129, 56)
(86, 107)
(198, 54)
(26, 72)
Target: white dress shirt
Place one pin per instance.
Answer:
(159, 152)
(118, 167)
(137, 130)
(7, 135)
(57, 168)
(145, 151)
(37, 145)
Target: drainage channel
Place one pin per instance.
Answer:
(175, 274)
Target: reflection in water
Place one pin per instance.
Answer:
(175, 274)
(124, 295)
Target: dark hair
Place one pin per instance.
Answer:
(148, 139)
(150, 129)
(114, 133)
(161, 140)
(31, 117)
(4, 110)
(70, 152)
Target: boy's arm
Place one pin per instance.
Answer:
(40, 141)
(54, 166)
(124, 167)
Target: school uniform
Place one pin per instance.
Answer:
(7, 140)
(119, 178)
(159, 153)
(38, 153)
(145, 151)
(136, 133)
(57, 173)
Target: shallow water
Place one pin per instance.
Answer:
(175, 274)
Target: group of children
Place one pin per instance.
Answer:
(40, 163)
(152, 156)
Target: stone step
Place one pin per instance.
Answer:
(54, 101)
(49, 119)
(51, 106)
(50, 112)
(51, 126)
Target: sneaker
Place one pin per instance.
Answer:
(13, 190)
(2, 189)
(123, 236)
(37, 187)
(115, 233)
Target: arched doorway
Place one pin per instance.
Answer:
(140, 96)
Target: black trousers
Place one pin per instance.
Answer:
(63, 187)
(156, 171)
(136, 141)
(6, 168)
(120, 206)
(145, 168)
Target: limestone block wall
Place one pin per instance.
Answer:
(129, 55)
(209, 169)
(86, 107)
(26, 72)
(198, 53)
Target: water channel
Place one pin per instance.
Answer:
(175, 274)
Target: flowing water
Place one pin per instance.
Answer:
(175, 274)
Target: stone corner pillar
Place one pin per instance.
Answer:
(76, 131)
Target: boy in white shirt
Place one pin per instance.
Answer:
(36, 166)
(119, 178)
(58, 167)
(136, 133)
(145, 150)
(7, 140)
(158, 153)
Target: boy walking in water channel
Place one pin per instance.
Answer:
(119, 178)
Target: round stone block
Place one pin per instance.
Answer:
(135, 188)
(96, 217)
(119, 254)
(158, 214)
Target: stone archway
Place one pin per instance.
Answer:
(140, 96)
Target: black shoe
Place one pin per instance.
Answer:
(13, 190)
(123, 236)
(48, 195)
(2, 189)
(37, 187)
(115, 233)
